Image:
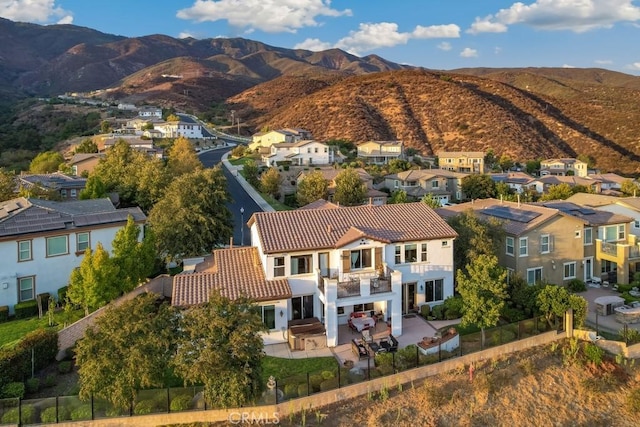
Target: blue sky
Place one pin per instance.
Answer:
(437, 34)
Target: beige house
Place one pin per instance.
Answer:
(82, 163)
(442, 184)
(540, 244)
(374, 196)
(563, 167)
(462, 161)
(290, 135)
(380, 152)
(543, 183)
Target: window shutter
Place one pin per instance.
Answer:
(377, 257)
(346, 261)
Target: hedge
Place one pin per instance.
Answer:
(4, 313)
(180, 403)
(12, 416)
(13, 390)
(15, 363)
(26, 309)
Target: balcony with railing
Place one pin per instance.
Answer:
(379, 285)
(620, 252)
(349, 288)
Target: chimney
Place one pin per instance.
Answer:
(231, 242)
(370, 200)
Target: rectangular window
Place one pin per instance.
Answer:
(269, 316)
(361, 258)
(569, 270)
(445, 243)
(588, 236)
(301, 264)
(410, 253)
(610, 233)
(434, 184)
(24, 250)
(545, 245)
(423, 252)
(58, 245)
(363, 307)
(398, 255)
(278, 266)
(63, 193)
(509, 243)
(434, 290)
(315, 150)
(523, 246)
(26, 288)
(302, 307)
(534, 275)
(82, 242)
(621, 232)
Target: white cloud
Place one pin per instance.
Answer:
(436, 32)
(373, 36)
(271, 16)
(185, 35)
(574, 15)
(603, 61)
(315, 45)
(444, 46)
(634, 66)
(467, 52)
(568, 66)
(40, 11)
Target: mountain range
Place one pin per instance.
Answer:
(525, 113)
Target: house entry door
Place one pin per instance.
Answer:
(588, 269)
(408, 297)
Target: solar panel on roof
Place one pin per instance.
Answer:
(511, 214)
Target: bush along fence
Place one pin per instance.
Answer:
(278, 390)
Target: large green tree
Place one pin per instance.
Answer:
(556, 300)
(192, 217)
(220, 346)
(270, 182)
(478, 186)
(86, 146)
(128, 349)
(630, 187)
(350, 190)
(182, 157)
(135, 259)
(7, 185)
(251, 173)
(483, 288)
(46, 162)
(311, 188)
(431, 201)
(398, 196)
(93, 189)
(95, 282)
(557, 192)
(475, 237)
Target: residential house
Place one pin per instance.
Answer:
(42, 241)
(177, 129)
(387, 259)
(627, 206)
(563, 167)
(84, 163)
(610, 183)
(301, 153)
(68, 187)
(288, 135)
(444, 185)
(126, 106)
(462, 161)
(607, 240)
(540, 243)
(137, 143)
(374, 196)
(517, 181)
(380, 152)
(150, 112)
(543, 183)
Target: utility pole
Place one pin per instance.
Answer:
(233, 112)
(238, 126)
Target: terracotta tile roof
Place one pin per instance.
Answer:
(309, 229)
(320, 204)
(594, 200)
(485, 208)
(234, 272)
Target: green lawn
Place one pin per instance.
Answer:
(280, 368)
(11, 332)
(242, 160)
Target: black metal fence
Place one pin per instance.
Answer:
(171, 400)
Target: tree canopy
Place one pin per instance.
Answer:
(46, 162)
(86, 146)
(556, 300)
(398, 196)
(93, 189)
(182, 157)
(475, 237)
(557, 192)
(431, 201)
(350, 190)
(134, 259)
(7, 185)
(311, 188)
(220, 346)
(128, 349)
(192, 217)
(270, 182)
(478, 186)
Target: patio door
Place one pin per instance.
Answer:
(302, 307)
(588, 269)
(408, 297)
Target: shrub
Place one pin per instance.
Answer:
(26, 309)
(315, 381)
(62, 294)
(49, 415)
(303, 390)
(13, 390)
(438, 312)
(42, 344)
(425, 310)
(384, 360)
(143, 407)
(50, 380)
(327, 375)
(329, 384)
(82, 412)
(453, 307)
(290, 390)
(4, 313)
(12, 416)
(633, 401)
(593, 353)
(180, 403)
(33, 385)
(504, 336)
(576, 285)
(64, 367)
(512, 315)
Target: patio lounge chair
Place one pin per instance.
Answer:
(366, 336)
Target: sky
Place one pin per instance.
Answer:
(436, 34)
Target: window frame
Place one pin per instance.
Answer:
(309, 263)
(50, 238)
(78, 242)
(20, 290)
(398, 254)
(533, 270)
(424, 252)
(20, 250)
(410, 253)
(361, 259)
(525, 247)
(588, 231)
(277, 266)
(564, 270)
(508, 239)
(263, 312)
(542, 244)
(431, 286)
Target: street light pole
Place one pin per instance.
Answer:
(238, 118)
(242, 226)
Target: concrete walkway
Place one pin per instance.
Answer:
(605, 323)
(235, 171)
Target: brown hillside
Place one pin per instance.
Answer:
(433, 111)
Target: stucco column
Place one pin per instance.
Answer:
(331, 311)
(396, 303)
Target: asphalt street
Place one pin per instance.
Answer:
(240, 198)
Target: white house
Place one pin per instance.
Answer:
(380, 152)
(307, 152)
(42, 241)
(563, 167)
(149, 111)
(266, 139)
(177, 129)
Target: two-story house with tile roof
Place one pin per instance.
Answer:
(68, 187)
(387, 259)
(178, 129)
(543, 183)
(290, 135)
(445, 185)
(84, 163)
(301, 153)
(375, 197)
(380, 152)
(42, 241)
(462, 161)
(563, 167)
(540, 243)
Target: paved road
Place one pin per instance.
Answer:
(240, 197)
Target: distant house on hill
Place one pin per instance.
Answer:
(301, 153)
(462, 161)
(374, 196)
(68, 187)
(444, 185)
(380, 152)
(150, 112)
(563, 167)
(288, 135)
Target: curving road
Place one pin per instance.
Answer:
(240, 198)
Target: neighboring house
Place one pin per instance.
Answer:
(380, 152)
(389, 259)
(517, 181)
(177, 129)
(68, 187)
(84, 163)
(289, 135)
(610, 182)
(462, 161)
(301, 153)
(607, 239)
(442, 184)
(150, 112)
(628, 206)
(563, 167)
(540, 244)
(126, 107)
(374, 196)
(136, 143)
(42, 241)
(543, 183)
